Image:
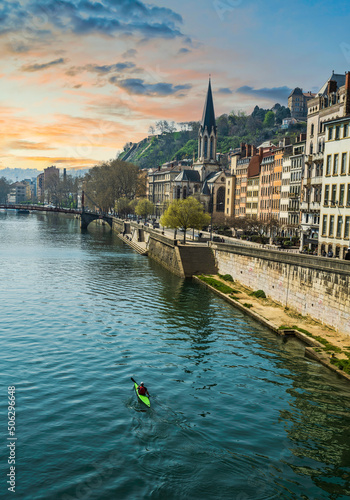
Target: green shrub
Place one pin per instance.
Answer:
(226, 277)
(217, 284)
(247, 305)
(260, 294)
(342, 364)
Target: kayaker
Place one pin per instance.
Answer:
(142, 390)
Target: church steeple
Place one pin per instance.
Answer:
(208, 119)
(207, 138)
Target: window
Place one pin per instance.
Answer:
(326, 194)
(330, 133)
(343, 164)
(334, 194)
(337, 132)
(348, 197)
(324, 225)
(312, 129)
(347, 227)
(328, 169)
(331, 225)
(335, 165)
(346, 130)
(341, 194)
(339, 226)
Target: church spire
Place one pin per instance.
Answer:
(207, 139)
(208, 119)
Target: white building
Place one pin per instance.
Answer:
(332, 101)
(335, 203)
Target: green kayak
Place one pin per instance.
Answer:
(144, 399)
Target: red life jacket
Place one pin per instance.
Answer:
(142, 390)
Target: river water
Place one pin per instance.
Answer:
(237, 413)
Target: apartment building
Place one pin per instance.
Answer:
(335, 203)
(331, 102)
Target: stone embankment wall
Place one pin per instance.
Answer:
(314, 286)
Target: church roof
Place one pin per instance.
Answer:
(208, 119)
(205, 189)
(188, 175)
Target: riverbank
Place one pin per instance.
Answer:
(329, 347)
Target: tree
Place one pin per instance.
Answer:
(113, 180)
(144, 208)
(269, 119)
(186, 214)
(123, 207)
(222, 125)
(151, 130)
(4, 189)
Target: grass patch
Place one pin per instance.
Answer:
(301, 330)
(328, 345)
(284, 327)
(218, 285)
(247, 305)
(342, 364)
(259, 294)
(226, 277)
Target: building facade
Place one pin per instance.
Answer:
(335, 203)
(332, 101)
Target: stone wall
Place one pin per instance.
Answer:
(314, 286)
(164, 251)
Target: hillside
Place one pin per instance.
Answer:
(232, 129)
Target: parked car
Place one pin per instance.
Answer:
(218, 239)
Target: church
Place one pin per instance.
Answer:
(204, 179)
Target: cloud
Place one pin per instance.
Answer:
(139, 87)
(224, 90)
(129, 53)
(83, 17)
(40, 67)
(273, 93)
(183, 50)
(105, 69)
(21, 144)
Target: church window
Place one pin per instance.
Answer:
(211, 148)
(205, 147)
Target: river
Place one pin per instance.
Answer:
(237, 413)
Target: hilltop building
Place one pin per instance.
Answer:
(297, 103)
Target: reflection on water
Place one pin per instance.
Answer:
(237, 413)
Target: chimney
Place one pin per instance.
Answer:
(332, 86)
(347, 94)
(249, 151)
(254, 151)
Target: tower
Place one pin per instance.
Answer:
(207, 137)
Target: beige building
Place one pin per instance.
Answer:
(331, 102)
(335, 204)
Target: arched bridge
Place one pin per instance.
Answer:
(85, 217)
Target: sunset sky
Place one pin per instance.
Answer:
(80, 78)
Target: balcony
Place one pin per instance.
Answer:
(315, 205)
(318, 156)
(304, 206)
(316, 180)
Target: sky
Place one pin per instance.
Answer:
(80, 78)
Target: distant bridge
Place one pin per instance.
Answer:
(85, 217)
